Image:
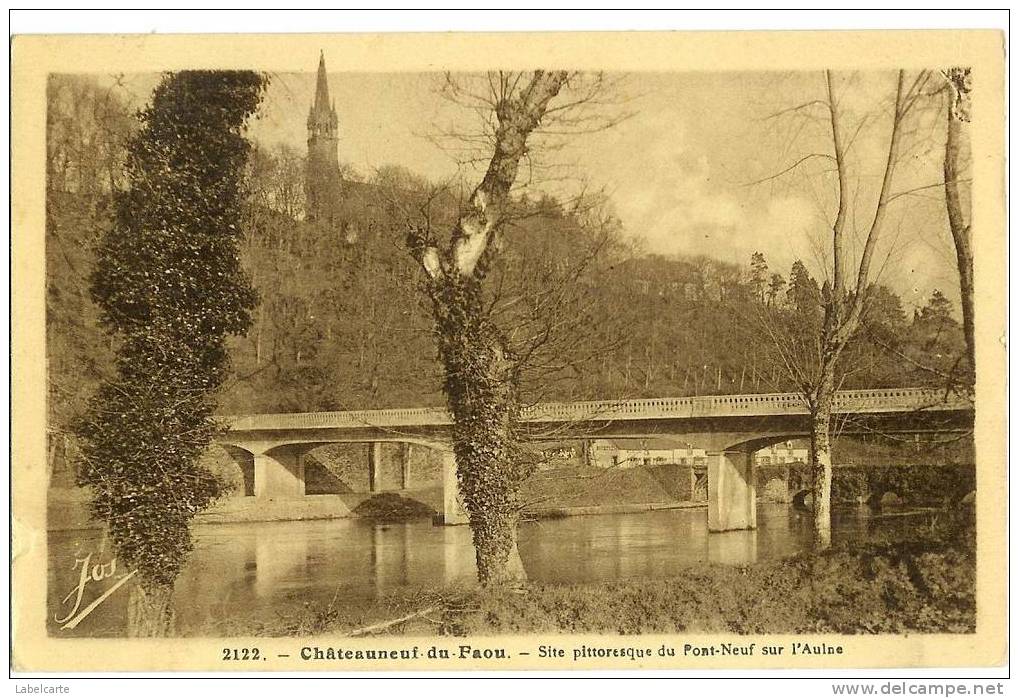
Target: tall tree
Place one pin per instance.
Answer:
(815, 366)
(776, 285)
(478, 383)
(170, 289)
(955, 166)
(758, 275)
(804, 294)
(843, 298)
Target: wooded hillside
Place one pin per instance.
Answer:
(341, 323)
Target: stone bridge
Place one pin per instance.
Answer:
(729, 427)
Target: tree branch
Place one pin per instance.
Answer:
(517, 117)
(849, 325)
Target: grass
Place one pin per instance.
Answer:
(570, 487)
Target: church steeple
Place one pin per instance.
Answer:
(322, 187)
(322, 119)
(322, 86)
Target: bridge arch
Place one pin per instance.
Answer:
(879, 497)
(245, 462)
(875, 499)
(278, 468)
(753, 443)
(257, 446)
(800, 499)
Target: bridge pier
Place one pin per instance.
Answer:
(453, 513)
(732, 495)
(405, 453)
(375, 466)
(279, 473)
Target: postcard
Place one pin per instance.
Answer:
(533, 351)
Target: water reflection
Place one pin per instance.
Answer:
(241, 572)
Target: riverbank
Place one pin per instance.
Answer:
(923, 583)
(549, 494)
(68, 509)
(563, 512)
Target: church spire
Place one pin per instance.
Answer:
(322, 121)
(322, 86)
(323, 185)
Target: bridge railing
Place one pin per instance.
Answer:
(767, 404)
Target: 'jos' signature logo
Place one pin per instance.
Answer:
(91, 573)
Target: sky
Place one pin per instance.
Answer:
(680, 171)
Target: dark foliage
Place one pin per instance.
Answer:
(391, 507)
(169, 285)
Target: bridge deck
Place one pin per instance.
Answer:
(846, 402)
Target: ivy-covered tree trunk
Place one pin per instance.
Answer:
(482, 398)
(480, 374)
(150, 611)
(170, 287)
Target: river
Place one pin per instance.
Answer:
(240, 573)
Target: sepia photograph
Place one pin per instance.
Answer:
(535, 357)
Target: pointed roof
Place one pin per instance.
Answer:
(322, 103)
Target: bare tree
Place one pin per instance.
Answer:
(88, 125)
(812, 359)
(482, 357)
(956, 163)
